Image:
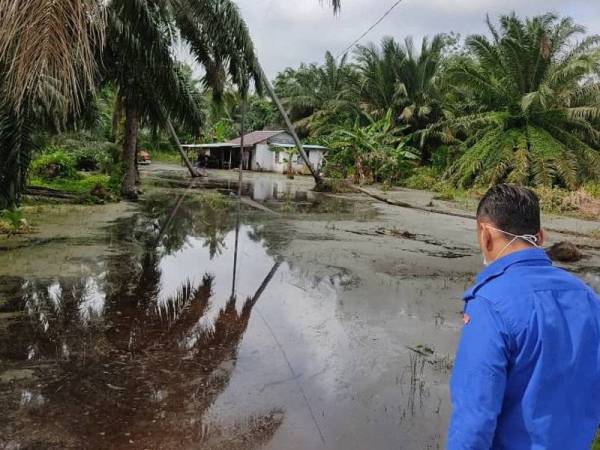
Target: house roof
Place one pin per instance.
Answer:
(214, 145)
(308, 146)
(255, 137)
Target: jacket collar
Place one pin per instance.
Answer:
(529, 257)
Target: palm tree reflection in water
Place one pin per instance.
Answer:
(138, 370)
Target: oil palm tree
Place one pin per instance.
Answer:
(535, 104)
(399, 78)
(71, 45)
(314, 92)
(139, 38)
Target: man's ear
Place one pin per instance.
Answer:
(541, 237)
(485, 237)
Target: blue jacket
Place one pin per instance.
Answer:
(527, 368)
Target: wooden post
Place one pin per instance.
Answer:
(290, 127)
(184, 156)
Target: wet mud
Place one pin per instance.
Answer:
(190, 320)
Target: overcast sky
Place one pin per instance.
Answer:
(288, 32)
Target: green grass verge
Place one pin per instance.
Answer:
(81, 186)
(165, 156)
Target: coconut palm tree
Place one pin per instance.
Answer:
(399, 78)
(535, 104)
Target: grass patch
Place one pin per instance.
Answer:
(165, 156)
(580, 203)
(81, 186)
(86, 187)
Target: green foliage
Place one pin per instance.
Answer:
(592, 189)
(16, 146)
(169, 156)
(55, 164)
(89, 152)
(422, 178)
(318, 97)
(13, 216)
(399, 78)
(372, 153)
(81, 186)
(532, 110)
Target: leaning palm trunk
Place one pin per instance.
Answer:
(129, 154)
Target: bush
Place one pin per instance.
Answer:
(423, 178)
(89, 152)
(592, 189)
(55, 164)
(12, 222)
(582, 201)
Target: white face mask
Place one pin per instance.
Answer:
(530, 238)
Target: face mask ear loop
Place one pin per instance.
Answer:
(530, 238)
(505, 247)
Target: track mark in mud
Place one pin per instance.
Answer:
(450, 251)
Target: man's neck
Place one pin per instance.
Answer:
(516, 246)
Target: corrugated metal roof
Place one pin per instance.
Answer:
(255, 137)
(214, 145)
(309, 146)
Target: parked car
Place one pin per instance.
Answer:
(143, 157)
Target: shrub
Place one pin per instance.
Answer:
(592, 189)
(89, 152)
(12, 221)
(424, 178)
(55, 164)
(556, 200)
(100, 158)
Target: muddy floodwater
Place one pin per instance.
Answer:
(291, 320)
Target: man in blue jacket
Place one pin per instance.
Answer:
(527, 368)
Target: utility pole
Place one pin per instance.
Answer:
(290, 127)
(193, 171)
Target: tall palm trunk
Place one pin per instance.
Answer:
(128, 189)
(116, 118)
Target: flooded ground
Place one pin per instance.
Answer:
(295, 320)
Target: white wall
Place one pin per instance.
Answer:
(315, 156)
(263, 158)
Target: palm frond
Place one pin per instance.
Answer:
(50, 42)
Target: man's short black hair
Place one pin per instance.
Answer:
(511, 208)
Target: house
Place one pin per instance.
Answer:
(263, 151)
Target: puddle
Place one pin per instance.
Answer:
(277, 193)
(195, 322)
(193, 329)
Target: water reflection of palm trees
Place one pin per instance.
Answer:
(145, 369)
